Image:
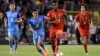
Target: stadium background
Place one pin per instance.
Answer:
(71, 7)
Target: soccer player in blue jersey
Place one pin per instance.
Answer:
(36, 24)
(11, 20)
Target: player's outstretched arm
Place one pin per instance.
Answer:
(55, 21)
(76, 19)
(19, 20)
(52, 21)
(65, 20)
(5, 22)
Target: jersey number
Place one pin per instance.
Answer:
(84, 20)
(37, 25)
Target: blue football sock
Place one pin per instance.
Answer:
(11, 44)
(43, 46)
(15, 45)
(41, 51)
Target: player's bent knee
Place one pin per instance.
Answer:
(15, 40)
(84, 41)
(38, 47)
(40, 42)
(88, 40)
(11, 38)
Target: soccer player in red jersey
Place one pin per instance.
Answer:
(83, 18)
(56, 19)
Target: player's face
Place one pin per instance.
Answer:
(12, 7)
(55, 5)
(35, 13)
(83, 8)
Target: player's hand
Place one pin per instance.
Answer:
(35, 32)
(19, 20)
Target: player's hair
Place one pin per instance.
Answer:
(86, 7)
(12, 4)
(54, 1)
(34, 10)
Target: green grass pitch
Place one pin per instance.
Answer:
(68, 50)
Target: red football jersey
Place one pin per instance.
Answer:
(53, 15)
(84, 20)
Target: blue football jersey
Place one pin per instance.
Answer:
(11, 18)
(37, 24)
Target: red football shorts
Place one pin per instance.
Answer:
(54, 33)
(84, 32)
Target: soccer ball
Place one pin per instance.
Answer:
(59, 54)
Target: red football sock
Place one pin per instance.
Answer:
(85, 48)
(57, 46)
(53, 48)
(58, 43)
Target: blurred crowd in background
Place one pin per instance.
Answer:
(25, 7)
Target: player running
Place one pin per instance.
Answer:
(12, 19)
(56, 18)
(36, 24)
(84, 19)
